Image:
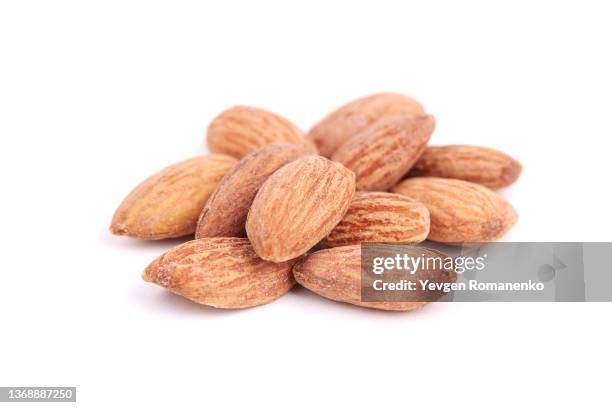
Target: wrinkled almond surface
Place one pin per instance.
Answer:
(337, 127)
(298, 206)
(225, 212)
(168, 204)
(241, 129)
(460, 211)
(380, 217)
(220, 272)
(382, 154)
(335, 273)
(482, 165)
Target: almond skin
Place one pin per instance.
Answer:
(383, 153)
(380, 217)
(335, 274)
(460, 211)
(337, 127)
(167, 204)
(298, 206)
(220, 272)
(242, 129)
(482, 165)
(225, 212)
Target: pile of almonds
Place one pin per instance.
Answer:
(267, 195)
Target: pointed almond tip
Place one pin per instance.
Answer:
(152, 273)
(118, 229)
(147, 274)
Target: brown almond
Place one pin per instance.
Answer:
(220, 272)
(482, 165)
(335, 274)
(168, 204)
(298, 206)
(337, 127)
(380, 217)
(225, 212)
(460, 211)
(381, 154)
(242, 129)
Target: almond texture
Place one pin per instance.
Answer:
(482, 165)
(460, 211)
(298, 206)
(335, 273)
(337, 127)
(225, 212)
(241, 129)
(168, 204)
(382, 154)
(220, 272)
(380, 217)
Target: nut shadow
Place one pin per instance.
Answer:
(164, 301)
(309, 298)
(129, 243)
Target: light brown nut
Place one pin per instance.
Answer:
(460, 211)
(481, 165)
(220, 272)
(380, 217)
(335, 273)
(242, 129)
(168, 204)
(298, 206)
(380, 155)
(225, 212)
(337, 127)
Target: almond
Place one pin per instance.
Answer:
(380, 217)
(225, 212)
(241, 129)
(220, 272)
(337, 127)
(481, 165)
(335, 274)
(460, 211)
(168, 204)
(383, 153)
(298, 206)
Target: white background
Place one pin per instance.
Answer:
(96, 96)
